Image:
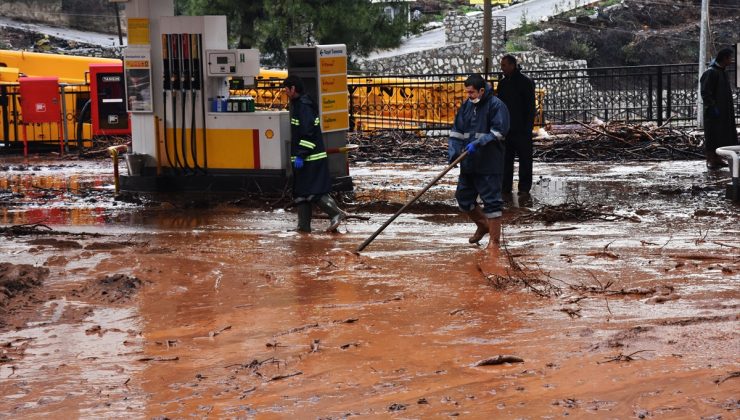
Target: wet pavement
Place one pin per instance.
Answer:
(232, 315)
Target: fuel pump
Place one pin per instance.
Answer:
(195, 137)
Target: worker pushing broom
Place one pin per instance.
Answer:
(476, 142)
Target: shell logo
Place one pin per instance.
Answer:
(269, 134)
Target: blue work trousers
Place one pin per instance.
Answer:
(488, 187)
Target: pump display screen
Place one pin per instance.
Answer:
(222, 60)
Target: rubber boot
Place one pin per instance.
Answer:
(304, 217)
(477, 216)
(494, 230)
(330, 207)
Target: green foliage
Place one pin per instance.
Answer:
(517, 44)
(273, 25)
(581, 50)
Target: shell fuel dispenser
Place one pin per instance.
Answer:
(187, 133)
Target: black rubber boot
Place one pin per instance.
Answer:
(304, 217)
(330, 207)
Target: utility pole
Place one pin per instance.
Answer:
(703, 35)
(118, 24)
(486, 36)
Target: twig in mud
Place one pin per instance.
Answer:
(499, 360)
(724, 244)
(346, 321)
(328, 262)
(624, 358)
(298, 329)
(735, 374)
(517, 275)
(34, 229)
(247, 391)
(701, 239)
(569, 212)
(158, 359)
(573, 312)
(348, 345)
(287, 375)
(666, 242)
(551, 230)
(254, 364)
(219, 331)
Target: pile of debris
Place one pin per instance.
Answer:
(619, 141)
(397, 146)
(614, 141)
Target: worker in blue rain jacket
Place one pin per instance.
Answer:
(480, 128)
(311, 180)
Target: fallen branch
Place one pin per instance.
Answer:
(288, 375)
(735, 374)
(624, 358)
(499, 360)
(158, 359)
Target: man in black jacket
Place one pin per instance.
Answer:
(719, 112)
(311, 179)
(517, 92)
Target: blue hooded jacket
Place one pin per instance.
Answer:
(486, 123)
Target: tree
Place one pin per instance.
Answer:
(273, 25)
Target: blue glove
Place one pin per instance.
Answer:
(471, 147)
(298, 163)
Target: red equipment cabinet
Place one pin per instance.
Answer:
(39, 99)
(107, 97)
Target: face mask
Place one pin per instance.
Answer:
(475, 101)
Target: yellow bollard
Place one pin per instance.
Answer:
(114, 152)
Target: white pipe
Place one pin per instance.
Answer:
(731, 154)
(703, 35)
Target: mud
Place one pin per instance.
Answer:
(17, 279)
(221, 311)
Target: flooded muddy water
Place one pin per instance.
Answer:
(166, 310)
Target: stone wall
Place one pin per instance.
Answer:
(463, 52)
(463, 28)
(45, 11)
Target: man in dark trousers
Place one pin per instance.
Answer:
(517, 92)
(719, 112)
(480, 128)
(311, 180)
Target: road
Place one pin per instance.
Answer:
(94, 38)
(532, 10)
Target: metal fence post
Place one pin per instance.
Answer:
(650, 97)
(351, 89)
(65, 134)
(660, 95)
(6, 122)
(669, 93)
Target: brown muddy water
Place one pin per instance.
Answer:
(166, 310)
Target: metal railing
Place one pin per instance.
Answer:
(661, 94)
(427, 103)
